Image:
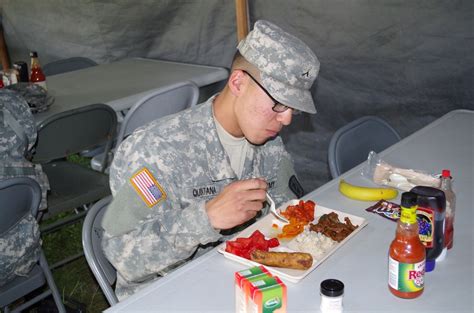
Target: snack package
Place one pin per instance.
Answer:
(382, 173)
(386, 209)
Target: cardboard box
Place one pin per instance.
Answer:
(267, 295)
(246, 276)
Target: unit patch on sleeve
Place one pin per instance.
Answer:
(295, 186)
(147, 187)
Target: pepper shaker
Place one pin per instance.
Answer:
(332, 291)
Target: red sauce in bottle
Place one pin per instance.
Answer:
(450, 207)
(37, 76)
(407, 254)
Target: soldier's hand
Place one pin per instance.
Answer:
(237, 203)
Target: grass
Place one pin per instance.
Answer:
(75, 158)
(75, 281)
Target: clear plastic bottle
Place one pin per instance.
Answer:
(36, 75)
(450, 208)
(407, 256)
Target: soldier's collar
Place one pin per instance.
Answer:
(218, 162)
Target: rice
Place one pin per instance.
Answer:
(312, 242)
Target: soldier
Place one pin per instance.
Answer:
(182, 182)
(20, 245)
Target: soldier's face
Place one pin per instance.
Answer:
(257, 120)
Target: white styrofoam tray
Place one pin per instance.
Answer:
(264, 225)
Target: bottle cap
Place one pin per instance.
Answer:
(33, 54)
(408, 199)
(446, 173)
(430, 265)
(332, 287)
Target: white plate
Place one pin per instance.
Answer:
(264, 225)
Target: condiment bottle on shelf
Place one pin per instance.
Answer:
(431, 213)
(450, 208)
(36, 75)
(406, 260)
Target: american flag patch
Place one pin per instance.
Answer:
(147, 187)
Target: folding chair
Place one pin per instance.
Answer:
(18, 196)
(162, 102)
(67, 65)
(92, 232)
(67, 133)
(350, 144)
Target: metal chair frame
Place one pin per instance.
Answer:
(92, 232)
(350, 144)
(74, 186)
(159, 103)
(22, 195)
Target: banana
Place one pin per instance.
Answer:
(366, 193)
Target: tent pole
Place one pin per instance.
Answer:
(4, 58)
(241, 10)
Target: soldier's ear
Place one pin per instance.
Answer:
(236, 82)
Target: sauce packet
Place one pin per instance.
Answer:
(386, 209)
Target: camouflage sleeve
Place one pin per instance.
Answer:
(140, 241)
(287, 186)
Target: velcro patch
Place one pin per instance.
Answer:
(295, 186)
(147, 187)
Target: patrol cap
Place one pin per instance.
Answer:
(287, 65)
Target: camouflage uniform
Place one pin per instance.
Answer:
(165, 172)
(19, 249)
(17, 137)
(184, 155)
(19, 245)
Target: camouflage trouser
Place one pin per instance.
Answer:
(19, 249)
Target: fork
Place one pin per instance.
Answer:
(274, 210)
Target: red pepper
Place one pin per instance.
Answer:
(244, 246)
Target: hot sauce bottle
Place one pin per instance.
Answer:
(406, 261)
(37, 76)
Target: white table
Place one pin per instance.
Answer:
(120, 84)
(207, 283)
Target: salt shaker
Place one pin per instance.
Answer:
(332, 291)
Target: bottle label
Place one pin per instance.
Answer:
(406, 277)
(331, 304)
(426, 226)
(408, 215)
